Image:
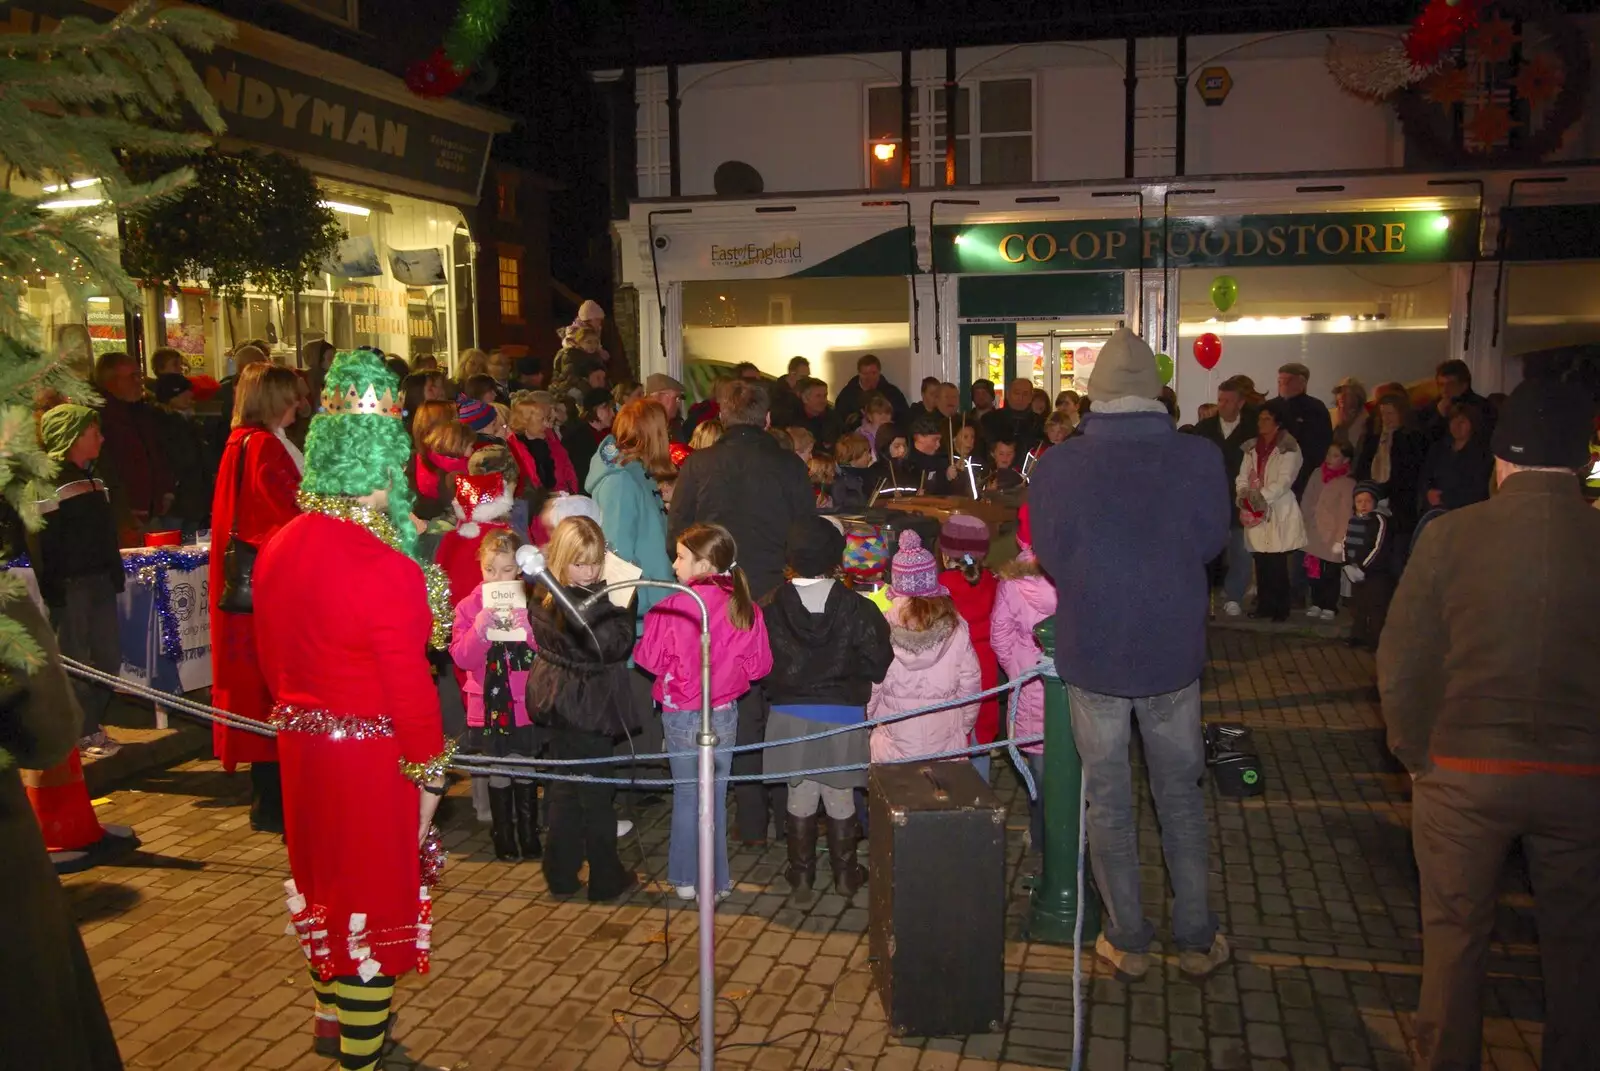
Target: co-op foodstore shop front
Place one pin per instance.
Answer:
(1362, 291)
(1351, 293)
(402, 173)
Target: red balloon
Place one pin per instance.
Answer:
(1208, 350)
(435, 76)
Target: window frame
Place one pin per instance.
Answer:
(927, 164)
(353, 7)
(512, 255)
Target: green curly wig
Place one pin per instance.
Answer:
(355, 454)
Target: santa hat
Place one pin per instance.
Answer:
(480, 499)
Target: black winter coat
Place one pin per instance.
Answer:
(1232, 447)
(851, 395)
(194, 467)
(832, 657)
(755, 489)
(79, 537)
(1023, 427)
(573, 683)
(1308, 420)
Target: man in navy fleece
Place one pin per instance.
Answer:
(1125, 518)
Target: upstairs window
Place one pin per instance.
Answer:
(341, 11)
(993, 126)
(510, 286)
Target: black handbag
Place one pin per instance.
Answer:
(238, 557)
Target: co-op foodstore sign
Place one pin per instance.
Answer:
(1210, 241)
(279, 108)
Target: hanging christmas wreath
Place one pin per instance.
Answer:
(1508, 92)
(466, 44)
(1379, 75)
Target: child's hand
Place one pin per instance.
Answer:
(950, 473)
(484, 622)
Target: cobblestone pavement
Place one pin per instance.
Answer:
(1314, 883)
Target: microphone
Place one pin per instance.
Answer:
(530, 559)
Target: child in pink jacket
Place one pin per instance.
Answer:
(1025, 597)
(670, 648)
(934, 662)
(495, 678)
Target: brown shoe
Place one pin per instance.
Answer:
(1200, 964)
(1130, 966)
(848, 874)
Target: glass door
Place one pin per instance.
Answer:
(1074, 353)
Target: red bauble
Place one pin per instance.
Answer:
(1208, 350)
(435, 76)
(1440, 27)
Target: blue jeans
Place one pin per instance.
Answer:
(1237, 582)
(680, 728)
(1169, 725)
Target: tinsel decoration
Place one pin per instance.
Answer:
(1377, 76)
(466, 43)
(433, 857)
(151, 569)
(430, 770)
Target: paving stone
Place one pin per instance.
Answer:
(1313, 882)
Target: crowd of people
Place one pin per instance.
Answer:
(337, 479)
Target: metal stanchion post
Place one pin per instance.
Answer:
(707, 743)
(1055, 907)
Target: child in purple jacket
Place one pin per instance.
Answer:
(670, 648)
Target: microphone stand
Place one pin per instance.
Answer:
(705, 742)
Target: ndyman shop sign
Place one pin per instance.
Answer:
(279, 108)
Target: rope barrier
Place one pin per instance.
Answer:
(523, 768)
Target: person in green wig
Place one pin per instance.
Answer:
(77, 564)
(344, 619)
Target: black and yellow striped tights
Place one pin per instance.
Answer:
(362, 1009)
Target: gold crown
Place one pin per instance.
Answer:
(370, 402)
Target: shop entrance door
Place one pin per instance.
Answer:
(1055, 356)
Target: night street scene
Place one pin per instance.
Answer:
(894, 536)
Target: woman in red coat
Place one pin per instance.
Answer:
(254, 497)
(356, 710)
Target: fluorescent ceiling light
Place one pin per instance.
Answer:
(73, 202)
(347, 209)
(172, 309)
(100, 300)
(75, 184)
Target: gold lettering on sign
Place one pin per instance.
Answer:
(258, 102)
(1365, 234)
(364, 131)
(1276, 242)
(1344, 240)
(1301, 231)
(1205, 244)
(1033, 252)
(1246, 233)
(290, 103)
(329, 116)
(1076, 250)
(1394, 237)
(1115, 240)
(224, 88)
(1006, 256)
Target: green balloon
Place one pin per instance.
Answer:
(1165, 366)
(1224, 292)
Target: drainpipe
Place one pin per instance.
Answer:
(933, 268)
(1477, 248)
(1130, 85)
(655, 271)
(1182, 81)
(674, 184)
(950, 116)
(907, 93)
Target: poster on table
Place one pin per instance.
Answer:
(139, 632)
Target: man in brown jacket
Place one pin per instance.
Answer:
(1486, 669)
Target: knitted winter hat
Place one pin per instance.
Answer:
(913, 573)
(1545, 424)
(60, 427)
(1367, 487)
(560, 507)
(1126, 368)
(478, 500)
(815, 547)
(962, 534)
(475, 414)
(171, 384)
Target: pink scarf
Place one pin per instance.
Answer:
(1329, 473)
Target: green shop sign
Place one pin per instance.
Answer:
(1208, 242)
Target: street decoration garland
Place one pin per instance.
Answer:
(1478, 83)
(465, 47)
(151, 568)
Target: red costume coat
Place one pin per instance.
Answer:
(975, 602)
(265, 503)
(342, 623)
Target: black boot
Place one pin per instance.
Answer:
(266, 798)
(848, 875)
(502, 827)
(525, 802)
(801, 873)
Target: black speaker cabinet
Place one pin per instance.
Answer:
(937, 899)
